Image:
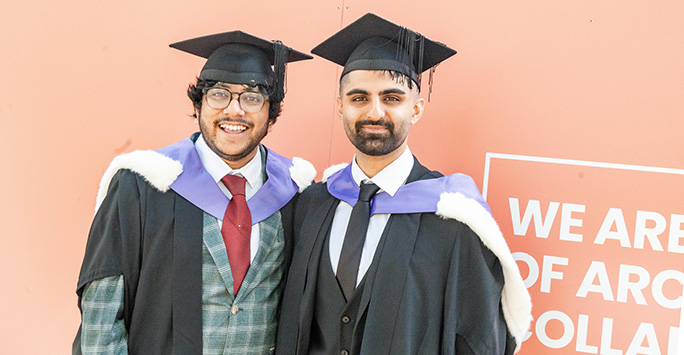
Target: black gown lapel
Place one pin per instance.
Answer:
(304, 270)
(187, 278)
(419, 172)
(388, 272)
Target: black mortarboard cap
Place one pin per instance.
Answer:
(374, 43)
(238, 57)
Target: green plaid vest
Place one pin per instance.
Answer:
(246, 324)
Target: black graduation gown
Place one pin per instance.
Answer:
(154, 240)
(432, 288)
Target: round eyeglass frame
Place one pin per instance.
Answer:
(245, 105)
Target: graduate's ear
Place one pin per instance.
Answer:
(339, 107)
(418, 109)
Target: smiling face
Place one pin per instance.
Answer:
(377, 112)
(231, 133)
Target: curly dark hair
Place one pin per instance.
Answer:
(195, 94)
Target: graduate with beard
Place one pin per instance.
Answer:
(391, 257)
(190, 243)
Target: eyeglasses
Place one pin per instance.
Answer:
(219, 98)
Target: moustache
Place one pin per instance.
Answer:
(233, 121)
(384, 123)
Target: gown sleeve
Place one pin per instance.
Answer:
(102, 327)
(473, 300)
(113, 241)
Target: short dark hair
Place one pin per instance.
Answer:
(195, 94)
(402, 78)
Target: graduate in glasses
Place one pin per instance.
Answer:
(391, 257)
(190, 242)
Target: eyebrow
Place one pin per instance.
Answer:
(245, 87)
(384, 92)
(393, 91)
(356, 92)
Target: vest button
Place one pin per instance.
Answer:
(235, 309)
(344, 352)
(345, 319)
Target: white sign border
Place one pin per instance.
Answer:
(485, 184)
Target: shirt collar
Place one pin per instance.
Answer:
(218, 168)
(392, 177)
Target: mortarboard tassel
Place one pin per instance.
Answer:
(430, 79)
(419, 68)
(403, 38)
(414, 45)
(280, 54)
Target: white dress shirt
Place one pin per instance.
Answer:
(252, 172)
(389, 180)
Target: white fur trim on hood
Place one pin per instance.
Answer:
(302, 173)
(333, 169)
(515, 298)
(161, 171)
(157, 169)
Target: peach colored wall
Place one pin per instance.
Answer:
(83, 81)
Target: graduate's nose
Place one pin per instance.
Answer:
(234, 109)
(377, 110)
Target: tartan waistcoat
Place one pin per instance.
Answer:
(245, 324)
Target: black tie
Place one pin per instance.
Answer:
(350, 257)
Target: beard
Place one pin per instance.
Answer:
(375, 144)
(249, 146)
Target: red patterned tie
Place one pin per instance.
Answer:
(237, 229)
